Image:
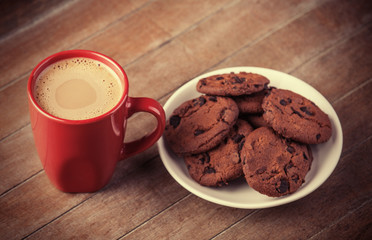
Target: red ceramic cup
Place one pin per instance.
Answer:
(81, 155)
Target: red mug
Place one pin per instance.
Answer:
(81, 155)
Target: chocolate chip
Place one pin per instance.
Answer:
(318, 136)
(220, 78)
(261, 170)
(288, 166)
(222, 114)
(257, 85)
(305, 110)
(202, 101)
(238, 80)
(284, 186)
(198, 132)
(204, 158)
(296, 112)
(203, 82)
(213, 98)
(175, 121)
(283, 102)
(290, 149)
(195, 102)
(277, 107)
(295, 178)
(209, 170)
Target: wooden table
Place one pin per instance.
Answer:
(162, 45)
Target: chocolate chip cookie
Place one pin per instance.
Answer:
(232, 84)
(273, 165)
(294, 116)
(200, 124)
(221, 164)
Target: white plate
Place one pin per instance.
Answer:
(238, 194)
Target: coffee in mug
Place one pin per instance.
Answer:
(77, 88)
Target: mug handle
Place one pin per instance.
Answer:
(142, 104)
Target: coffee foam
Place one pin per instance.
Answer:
(77, 89)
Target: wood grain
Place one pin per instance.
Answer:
(291, 43)
(24, 49)
(356, 224)
(18, 14)
(162, 44)
(115, 210)
(202, 47)
(27, 207)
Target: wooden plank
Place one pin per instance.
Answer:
(180, 222)
(343, 67)
(128, 39)
(304, 38)
(18, 14)
(128, 201)
(356, 54)
(349, 186)
(355, 121)
(14, 108)
(18, 158)
(250, 21)
(22, 51)
(152, 26)
(201, 47)
(177, 16)
(355, 225)
(33, 204)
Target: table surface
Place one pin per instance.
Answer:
(162, 45)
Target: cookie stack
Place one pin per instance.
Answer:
(242, 127)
